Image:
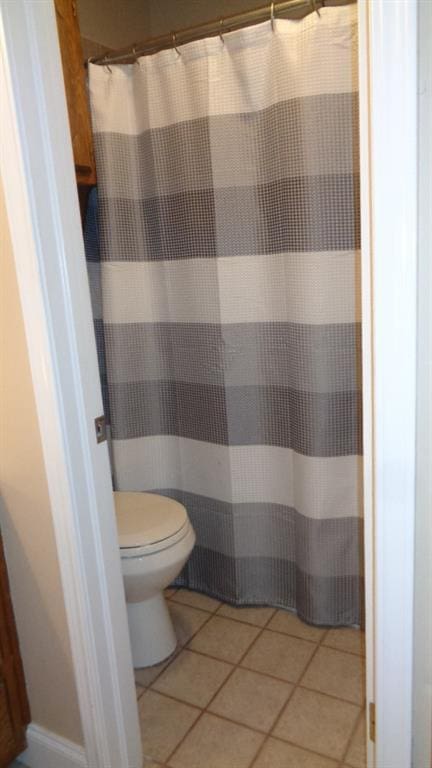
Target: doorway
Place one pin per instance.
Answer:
(63, 201)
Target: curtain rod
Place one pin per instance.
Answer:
(215, 27)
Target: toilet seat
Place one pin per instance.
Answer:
(148, 522)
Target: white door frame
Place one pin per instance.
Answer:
(388, 126)
(422, 698)
(37, 167)
(41, 197)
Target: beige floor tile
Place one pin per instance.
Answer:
(290, 624)
(216, 743)
(279, 655)
(169, 592)
(193, 678)
(139, 690)
(317, 722)
(346, 639)
(356, 755)
(256, 616)
(252, 699)
(145, 676)
(339, 674)
(164, 722)
(196, 600)
(186, 620)
(277, 754)
(227, 640)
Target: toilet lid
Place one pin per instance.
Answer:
(146, 518)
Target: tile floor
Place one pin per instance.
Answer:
(253, 688)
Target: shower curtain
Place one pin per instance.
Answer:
(228, 217)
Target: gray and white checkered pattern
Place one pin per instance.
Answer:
(229, 303)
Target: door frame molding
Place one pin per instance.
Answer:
(389, 175)
(422, 682)
(42, 205)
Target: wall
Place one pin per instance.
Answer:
(112, 23)
(115, 24)
(26, 524)
(174, 14)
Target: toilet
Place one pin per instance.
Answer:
(156, 539)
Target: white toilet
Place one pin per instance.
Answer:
(156, 539)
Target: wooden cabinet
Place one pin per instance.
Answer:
(14, 709)
(76, 91)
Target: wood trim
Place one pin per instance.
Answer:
(14, 697)
(76, 92)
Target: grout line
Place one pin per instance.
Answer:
(299, 686)
(261, 749)
(140, 693)
(267, 738)
(274, 631)
(325, 631)
(205, 709)
(242, 666)
(309, 751)
(191, 605)
(247, 607)
(177, 651)
(179, 648)
(333, 696)
(349, 653)
(330, 696)
(176, 699)
(351, 738)
(295, 687)
(300, 683)
(267, 734)
(318, 646)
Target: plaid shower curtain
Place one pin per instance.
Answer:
(228, 214)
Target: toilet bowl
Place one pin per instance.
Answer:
(156, 539)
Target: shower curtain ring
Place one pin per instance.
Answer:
(221, 26)
(272, 16)
(173, 36)
(314, 7)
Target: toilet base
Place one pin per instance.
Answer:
(151, 631)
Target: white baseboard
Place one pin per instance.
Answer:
(48, 750)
